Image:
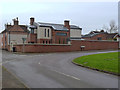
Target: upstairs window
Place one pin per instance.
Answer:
(45, 32)
(32, 30)
(61, 34)
(48, 32)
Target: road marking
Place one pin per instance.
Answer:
(7, 61)
(67, 75)
(107, 51)
(22, 55)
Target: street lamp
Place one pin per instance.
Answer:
(23, 43)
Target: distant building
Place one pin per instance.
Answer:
(99, 35)
(1, 41)
(49, 33)
(117, 37)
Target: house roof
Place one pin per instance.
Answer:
(93, 34)
(58, 26)
(117, 35)
(111, 35)
(13, 28)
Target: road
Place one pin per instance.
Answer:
(55, 70)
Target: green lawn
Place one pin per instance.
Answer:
(104, 61)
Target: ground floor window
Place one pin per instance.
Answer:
(43, 42)
(59, 41)
(99, 38)
(49, 42)
(64, 41)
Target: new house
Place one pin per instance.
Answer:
(49, 33)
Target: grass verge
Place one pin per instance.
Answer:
(106, 62)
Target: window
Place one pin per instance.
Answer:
(46, 42)
(99, 38)
(32, 30)
(61, 34)
(43, 42)
(48, 32)
(49, 42)
(59, 41)
(45, 32)
(63, 41)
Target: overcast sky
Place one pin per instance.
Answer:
(90, 15)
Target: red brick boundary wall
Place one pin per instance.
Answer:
(94, 45)
(74, 46)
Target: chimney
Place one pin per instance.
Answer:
(16, 22)
(7, 25)
(31, 20)
(66, 24)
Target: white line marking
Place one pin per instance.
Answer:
(67, 75)
(7, 61)
(22, 55)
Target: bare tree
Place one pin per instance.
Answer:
(113, 28)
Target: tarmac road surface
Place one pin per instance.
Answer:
(55, 70)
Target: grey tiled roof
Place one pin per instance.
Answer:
(92, 34)
(75, 27)
(58, 26)
(32, 26)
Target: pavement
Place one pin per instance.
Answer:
(10, 81)
(55, 70)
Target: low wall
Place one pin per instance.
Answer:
(74, 46)
(42, 48)
(94, 45)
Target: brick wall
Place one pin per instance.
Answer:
(44, 41)
(43, 48)
(4, 39)
(94, 45)
(59, 39)
(75, 46)
(32, 38)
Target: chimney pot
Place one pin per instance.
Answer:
(16, 22)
